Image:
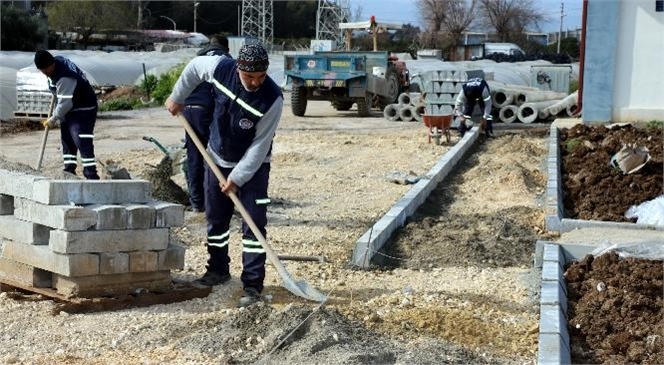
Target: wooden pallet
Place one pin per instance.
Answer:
(180, 291)
(31, 116)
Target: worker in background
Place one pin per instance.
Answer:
(248, 106)
(474, 91)
(198, 110)
(75, 111)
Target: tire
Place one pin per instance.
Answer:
(299, 101)
(342, 105)
(393, 89)
(364, 105)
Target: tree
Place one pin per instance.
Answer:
(509, 19)
(86, 17)
(20, 30)
(446, 20)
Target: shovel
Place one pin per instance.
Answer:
(300, 288)
(43, 144)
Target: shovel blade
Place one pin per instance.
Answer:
(302, 289)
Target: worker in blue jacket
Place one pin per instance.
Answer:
(199, 108)
(248, 106)
(75, 111)
(474, 91)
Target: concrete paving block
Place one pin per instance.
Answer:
(113, 284)
(113, 263)
(57, 192)
(552, 252)
(552, 271)
(143, 261)
(553, 320)
(43, 258)
(172, 258)
(18, 184)
(552, 350)
(168, 214)
(140, 216)
(553, 294)
(66, 217)
(108, 241)
(23, 231)
(552, 223)
(110, 216)
(25, 274)
(6, 204)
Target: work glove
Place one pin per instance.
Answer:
(50, 122)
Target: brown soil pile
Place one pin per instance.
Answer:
(123, 92)
(596, 191)
(616, 311)
(14, 126)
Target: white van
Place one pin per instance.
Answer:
(510, 49)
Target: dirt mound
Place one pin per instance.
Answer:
(14, 126)
(616, 310)
(596, 191)
(123, 92)
(296, 334)
(17, 167)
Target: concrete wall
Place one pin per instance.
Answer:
(600, 56)
(639, 77)
(624, 68)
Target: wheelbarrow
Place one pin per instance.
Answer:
(438, 126)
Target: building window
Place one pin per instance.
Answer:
(659, 6)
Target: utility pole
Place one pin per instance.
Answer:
(560, 31)
(195, 14)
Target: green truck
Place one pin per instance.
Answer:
(368, 79)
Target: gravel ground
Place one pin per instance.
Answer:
(328, 186)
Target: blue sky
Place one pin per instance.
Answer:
(405, 11)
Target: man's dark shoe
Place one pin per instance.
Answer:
(249, 297)
(211, 278)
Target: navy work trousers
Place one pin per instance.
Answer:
(77, 134)
(219, 211)
(199, 118)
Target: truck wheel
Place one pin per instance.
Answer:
(392, 89)
(299, 101)
(364, 105)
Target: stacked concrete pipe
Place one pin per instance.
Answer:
(409, 107)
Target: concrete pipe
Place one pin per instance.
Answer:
(569, 100)
(502, 98)
(523, 97)
(543, 114)
(529, 112)
(406, 114)
(571, 110)
(391, 112)
(508, 114)
(417, 111)
(406, 99)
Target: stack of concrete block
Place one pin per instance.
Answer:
(441, 88)
(86, 238)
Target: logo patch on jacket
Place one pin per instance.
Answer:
(246, 123)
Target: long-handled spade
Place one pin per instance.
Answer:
(43, 144)
(300, 288)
